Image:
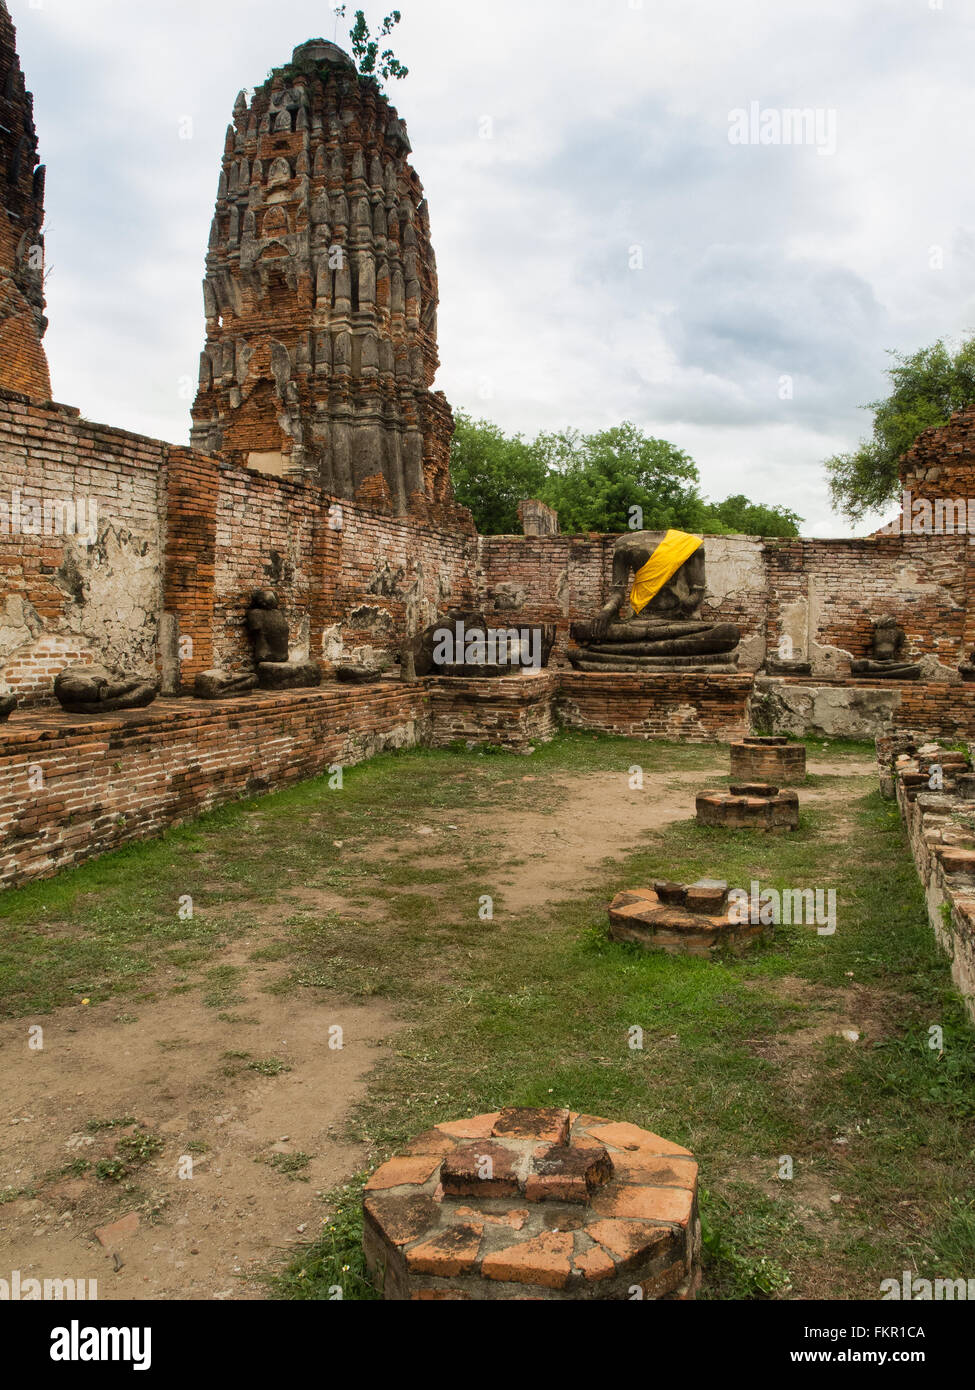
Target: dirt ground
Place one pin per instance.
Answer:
(211, 1236)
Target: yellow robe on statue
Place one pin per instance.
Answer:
(666, 560)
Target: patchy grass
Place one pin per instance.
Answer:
(332, 1267)
(742, 1059)
(268, 1066)
(291, 1165)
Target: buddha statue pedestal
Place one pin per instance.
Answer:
(96, 690)
(222, 685)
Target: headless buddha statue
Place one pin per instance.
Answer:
(888, 650)
(655, 625)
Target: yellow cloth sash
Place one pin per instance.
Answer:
(666, 560)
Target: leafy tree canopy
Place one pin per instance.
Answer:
(492, 473)
(595, 482)
(743, 518)
(928, 385)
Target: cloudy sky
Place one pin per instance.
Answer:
(606, 251)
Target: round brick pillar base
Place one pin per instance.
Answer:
(534, 1204)
(749, 806)
(757, 759)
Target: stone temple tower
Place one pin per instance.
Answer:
(23, 362)
(321, 295)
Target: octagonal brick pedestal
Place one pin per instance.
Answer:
(749, 806)
(683, 919)
(757, 758)
(534, 1204)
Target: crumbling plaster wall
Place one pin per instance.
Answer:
(81, 524)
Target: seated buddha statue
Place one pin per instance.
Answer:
(887, 656)
(654, 624)
(270, 634)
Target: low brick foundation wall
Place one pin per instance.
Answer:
(514, 712)
(72, 787)
(694, 706)
(861, 708)
(941, 833)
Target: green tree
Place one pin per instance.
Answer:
(737, 516)
(928, 385)
(492, 473)
(595, 480)
(366, 48)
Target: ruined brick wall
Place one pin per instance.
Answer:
(823, 595)
(167, 533)
(180, 541)
(23, 363)
(321, 295)
(352, 580)
(691, 707)
(537, 519)
(826, 594)
(81, 521)
(941, 465)
(128, 776)
(565, 579)
(865, 709)
(942, 461)
(540, 579)
(392, 575)
(269, 534)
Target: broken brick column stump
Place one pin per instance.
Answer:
(757, 758)
(692, 919)
(749, 806)
(534, 1204)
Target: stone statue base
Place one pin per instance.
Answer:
(357, 675)
(656, 646)
(500, 650)
(221, 685)
(886, 670)
(288, 675)
(775, 666)
(8, 703)
(600, 660)
(95, 690)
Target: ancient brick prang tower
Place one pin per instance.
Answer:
(23, 363)
(321, 295)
